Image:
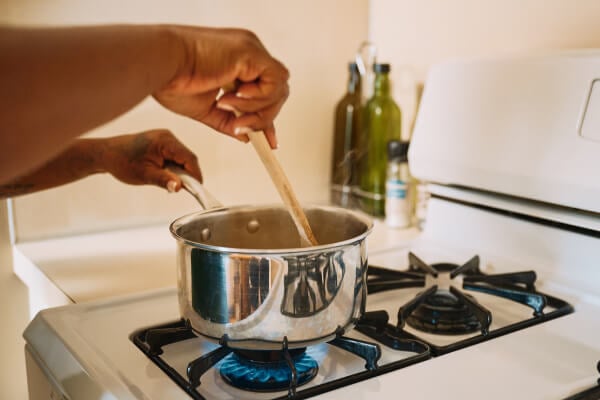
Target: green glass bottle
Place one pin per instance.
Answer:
(382, 123)
(347, 127)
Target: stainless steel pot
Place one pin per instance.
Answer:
(243, 277)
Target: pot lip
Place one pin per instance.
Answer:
(295, 250)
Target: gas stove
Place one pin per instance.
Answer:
(432, 314)
(497, 297)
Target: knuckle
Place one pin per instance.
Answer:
(191, 157)
(165, 133)
(248, 35)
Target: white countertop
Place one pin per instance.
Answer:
(114, 263)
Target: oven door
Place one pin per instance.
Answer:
(60, 377)
(40, 383)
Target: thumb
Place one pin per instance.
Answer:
(162, 178)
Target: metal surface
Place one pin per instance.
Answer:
(243, 277)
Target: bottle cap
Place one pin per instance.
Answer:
(398, 150)
(381, 68)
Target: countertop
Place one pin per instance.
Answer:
(120, 262)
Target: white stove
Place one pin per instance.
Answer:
(509, 254)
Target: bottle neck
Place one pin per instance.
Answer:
(354, 82)
(382, 85)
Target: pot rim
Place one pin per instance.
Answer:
(294, 250)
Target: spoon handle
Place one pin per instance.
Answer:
(264, 151)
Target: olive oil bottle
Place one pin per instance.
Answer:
(381, 123)
(344, 170)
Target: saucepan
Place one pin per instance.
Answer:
(245, 280)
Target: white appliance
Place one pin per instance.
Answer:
(509, 256)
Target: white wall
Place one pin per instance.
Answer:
(14, 316)
(412, 35)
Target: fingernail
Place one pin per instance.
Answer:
(171, 186)
(241, 130)
(241, 95)
(225, 107)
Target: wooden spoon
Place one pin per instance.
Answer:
(267, 156)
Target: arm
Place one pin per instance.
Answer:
(134, 159)
(58, 83)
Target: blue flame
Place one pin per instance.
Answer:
(266, 377)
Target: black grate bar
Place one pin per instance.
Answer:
(288, 360)
(415, 264)
(383, 285)
(376, 319)
(374, 271)
(483, 315)
(534, 300)
(370, 352)
(526, 278)
(200, 365)
(408, 308)
(389, 338)
(471, 266)
(157, 338)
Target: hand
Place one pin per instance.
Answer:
(139, 159)
(217, 58)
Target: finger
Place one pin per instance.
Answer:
(268, 108)
(271, 138)
(269, 132)
(193, 168)
(263, 100)
(262, 89)
(265, 81)
(251, 122)
(224, 122)
(162, 178)
(177, 152)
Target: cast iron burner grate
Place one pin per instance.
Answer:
(372, 324)
(451, 311)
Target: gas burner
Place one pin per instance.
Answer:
(286, 370)
(268, 371)
(443, 308)
(444, 313)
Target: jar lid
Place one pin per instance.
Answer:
(381, 68)
(398, 150)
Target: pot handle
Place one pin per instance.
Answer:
(195, 188)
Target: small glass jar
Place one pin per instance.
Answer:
(398, 186)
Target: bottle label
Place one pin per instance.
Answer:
(397, 207)
(395, 188)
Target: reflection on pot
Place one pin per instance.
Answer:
(311, 283)
(231, 292)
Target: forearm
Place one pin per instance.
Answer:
(83, 158)
(59, 83)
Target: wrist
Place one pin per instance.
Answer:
(92, 155)
(179, 51)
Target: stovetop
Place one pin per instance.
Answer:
(197, 364)
(552, 359)
(427, 309)
(97, 337)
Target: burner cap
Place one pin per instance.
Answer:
(444, 313)
(266, 371)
